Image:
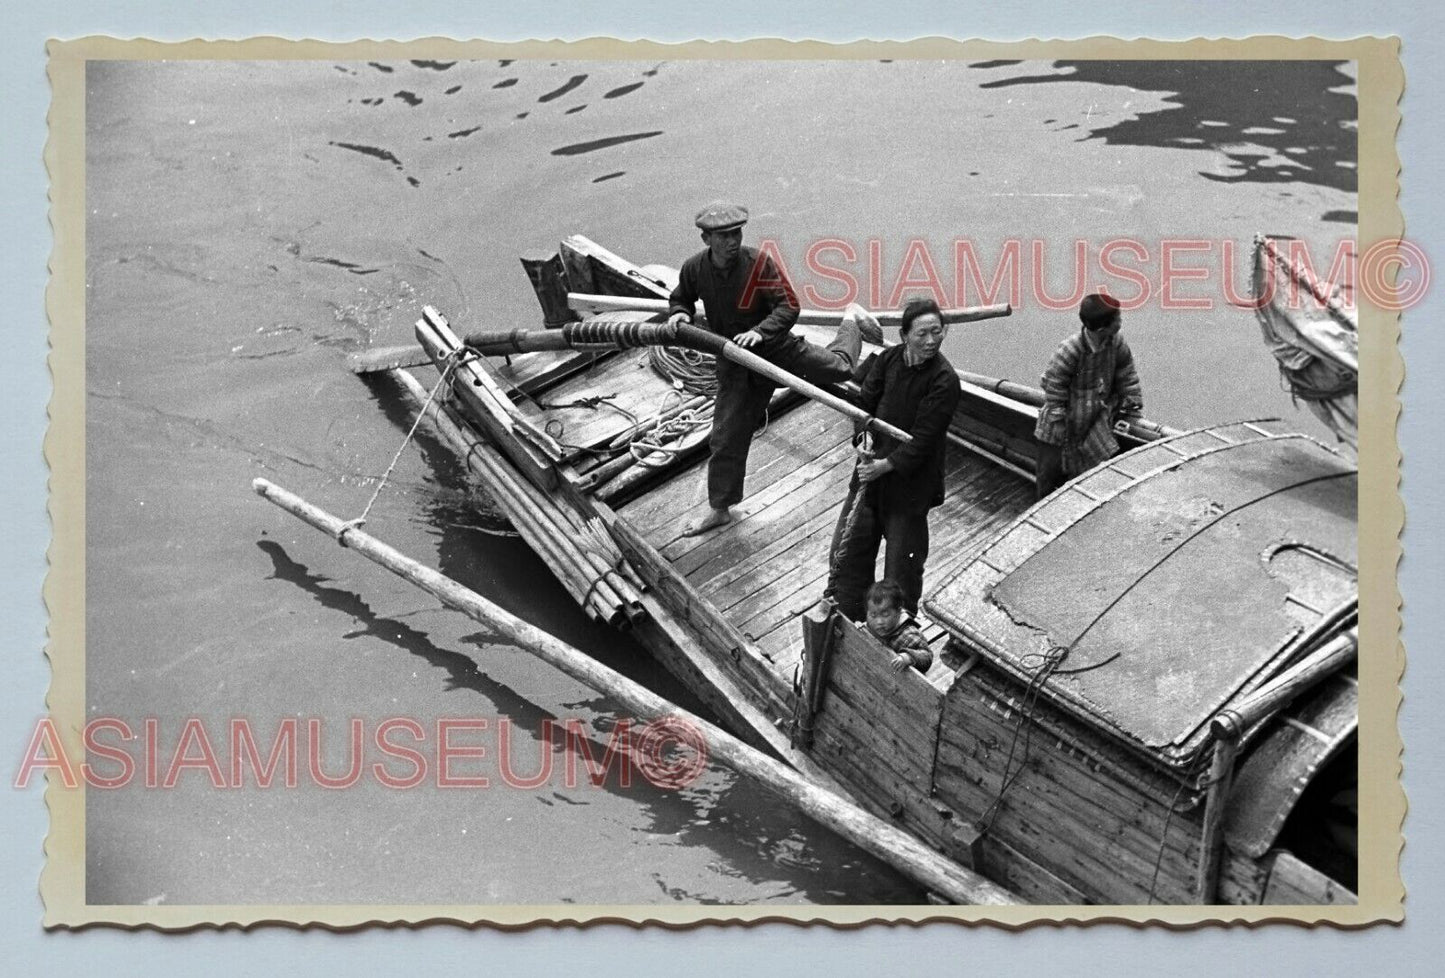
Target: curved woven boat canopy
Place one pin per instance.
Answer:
(1166, 583)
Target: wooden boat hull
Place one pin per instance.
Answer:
(734, 615)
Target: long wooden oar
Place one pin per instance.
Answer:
(868, 832)
(392, 357)
(603, 334)
(586, 303)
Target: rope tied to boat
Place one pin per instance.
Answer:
(452, 359)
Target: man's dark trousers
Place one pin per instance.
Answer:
(742, 403)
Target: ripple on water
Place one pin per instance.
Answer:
(563, 89)
(576, 149)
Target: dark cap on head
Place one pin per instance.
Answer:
(721, 216)
(1098, 309)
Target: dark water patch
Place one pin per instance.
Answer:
(1276, 121)
(1342, 217)
(463, 133)
(563, 89)
(609, 176)
(413, 181)
(434, 65)
(410, 98)
(388, 69)
(375, 151)
(999, 63)
(462, 672)
(576, 149)
(453, 90)
(522, 115)
(622, 90)
(575, 109)
(349, 266)
(505, 83)
(504, 62)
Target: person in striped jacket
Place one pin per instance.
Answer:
(1089, 384)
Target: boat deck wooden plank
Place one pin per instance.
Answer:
(631, 391)
(795, 497)
(528, 373)
(663, 512)
(784, 457)
(771, 563)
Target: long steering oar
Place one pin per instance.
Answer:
(606, 334)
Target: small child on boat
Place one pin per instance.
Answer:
(885, 621)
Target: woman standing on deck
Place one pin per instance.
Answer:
(911, 386)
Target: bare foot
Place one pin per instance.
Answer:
(714, 519)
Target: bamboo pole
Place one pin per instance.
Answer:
(1229, 727)
(554, 546)
(1328, 659)
(1211, 845)
(867, 831)
(584, 303)
(602, 334)
(1137, 427)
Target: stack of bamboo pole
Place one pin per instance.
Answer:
(583, 557)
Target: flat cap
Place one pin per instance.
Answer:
(721, 216)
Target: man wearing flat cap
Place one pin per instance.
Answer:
(748, 300)
(1089, 384)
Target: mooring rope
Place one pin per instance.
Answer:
(453, 359)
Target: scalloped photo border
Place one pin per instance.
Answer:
(1381, 512)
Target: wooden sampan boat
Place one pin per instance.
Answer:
(1144, 686)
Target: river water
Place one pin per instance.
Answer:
(250, 224)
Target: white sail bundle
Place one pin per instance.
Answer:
(1313, 335)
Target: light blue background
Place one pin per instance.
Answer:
(773, 949)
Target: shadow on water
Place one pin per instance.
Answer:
(759, 840)
(757, 845)
(1277, 121)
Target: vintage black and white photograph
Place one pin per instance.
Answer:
(727, 486)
